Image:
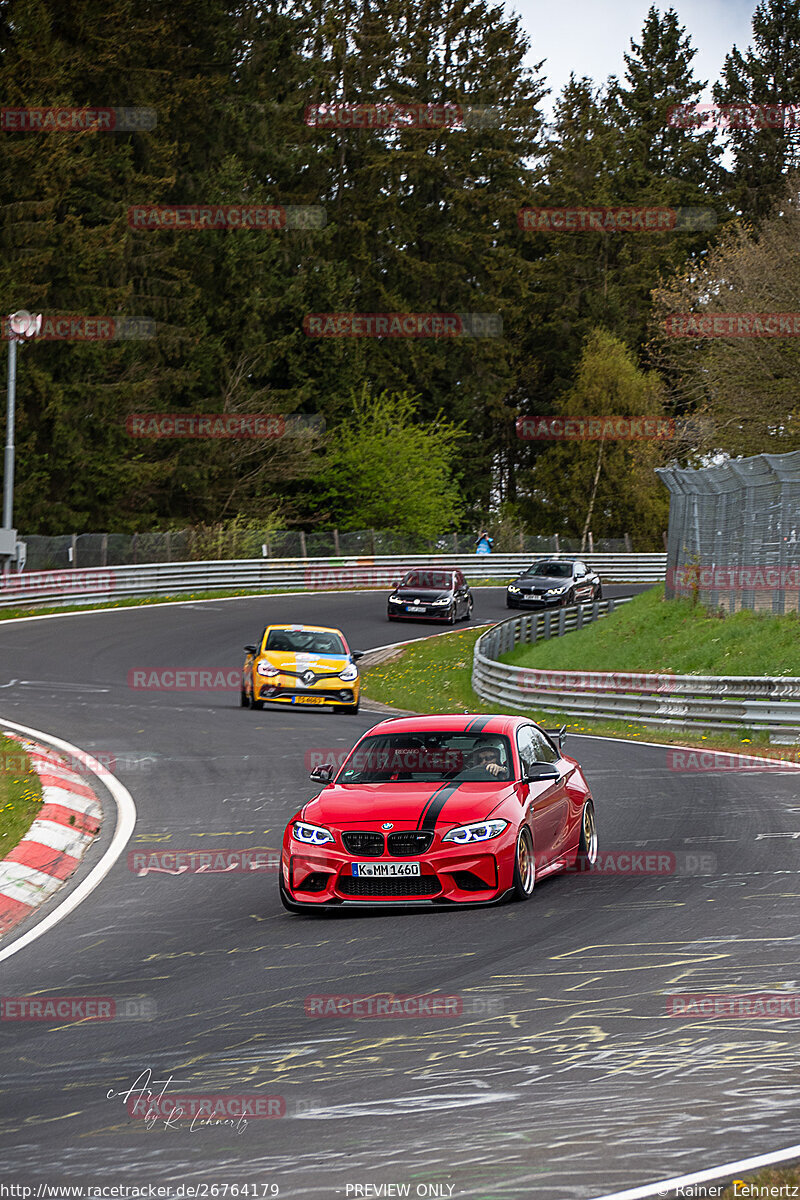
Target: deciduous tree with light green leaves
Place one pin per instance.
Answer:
(387, 470)
(606, 486)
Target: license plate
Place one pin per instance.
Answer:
(310, 700)
(385, 870)
(415, 608)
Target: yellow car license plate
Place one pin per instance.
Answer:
(311, 700)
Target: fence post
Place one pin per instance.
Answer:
(555, 539)
(168, 546)
(303, 544)
(547, 634)
(104, 550)
(628, 543)
(74, 551)
(135, 548)
(336, 542)
(579, 617)
(269, 549)
(591, 543)
(562, 616)
(372, 541)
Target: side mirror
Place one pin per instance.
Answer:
(542, 771)
(251, 649)
(357, 654)
(322, 774)
(559, 736)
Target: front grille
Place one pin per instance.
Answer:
(471, 883)
(363, 843)
(409, 842)
(317, 881)
(408, 885)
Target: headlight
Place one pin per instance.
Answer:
(313, 835)
(265, 668)
(481, 831)
(446, 600)
(512, 588)
(395, 600)
(349, 673)
(555, 591)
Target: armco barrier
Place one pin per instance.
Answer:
(714, 702)
(56, 588)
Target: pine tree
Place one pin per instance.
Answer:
(767, 73)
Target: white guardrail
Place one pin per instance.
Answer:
(718, 702)
(56, 588)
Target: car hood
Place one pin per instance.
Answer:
(320, 664)
(541, 581)
(368, 805)
(426, 594)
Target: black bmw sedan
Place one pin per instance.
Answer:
(426, 595)
(557, 582)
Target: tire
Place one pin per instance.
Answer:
(468, 615)
(598, 595)
(451, 618)
(568, 600)
(586, 857)
(389, 617)
(524, 866)
(510, 604)
(347, 709)
(243, 700)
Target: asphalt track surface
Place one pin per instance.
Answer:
(565, 1079)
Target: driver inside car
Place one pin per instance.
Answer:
(485, 762)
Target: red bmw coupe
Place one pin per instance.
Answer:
(439, 810)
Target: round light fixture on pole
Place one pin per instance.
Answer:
(25, 324)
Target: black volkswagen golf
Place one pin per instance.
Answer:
(554, 582)
(425, 595)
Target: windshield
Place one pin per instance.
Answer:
(554, 570)
(428, 579)
(304, 641)
(429, 758)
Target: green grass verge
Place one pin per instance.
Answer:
(20, 794)
(435, 675)
(651, 634)
(759, 1185)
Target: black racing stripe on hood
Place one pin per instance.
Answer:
(435, 804)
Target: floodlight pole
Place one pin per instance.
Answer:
(8, 461)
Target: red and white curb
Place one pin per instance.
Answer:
(50, 851)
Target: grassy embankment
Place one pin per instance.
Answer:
(20, 794)
(648, 635)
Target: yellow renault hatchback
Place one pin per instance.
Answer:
(301, 664)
